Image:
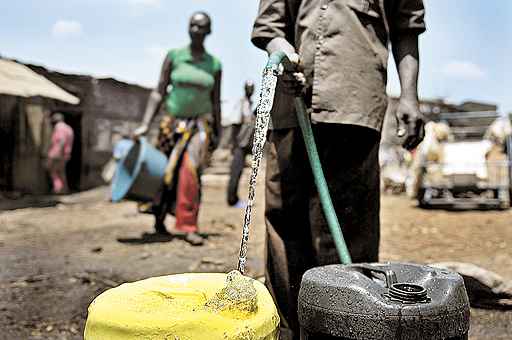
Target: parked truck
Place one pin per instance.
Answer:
(470, 167)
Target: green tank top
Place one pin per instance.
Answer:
(192, 82)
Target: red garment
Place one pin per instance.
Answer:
(62, 137)
(188, 197)
(57, 170)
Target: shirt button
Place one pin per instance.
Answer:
(323, 7)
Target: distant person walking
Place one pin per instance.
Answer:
(192, 118)
(242, 143)
(59, 153)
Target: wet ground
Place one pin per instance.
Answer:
(55, 260)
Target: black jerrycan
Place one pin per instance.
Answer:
(383, 301)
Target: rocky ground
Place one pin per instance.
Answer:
(55, 259)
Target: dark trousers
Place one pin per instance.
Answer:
(237, 166)
(298, 237)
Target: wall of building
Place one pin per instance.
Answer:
(25, 132)
(108, 109)
(32, 133)
(115, 109)
(8, 112)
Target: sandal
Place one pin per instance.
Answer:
(194, 239)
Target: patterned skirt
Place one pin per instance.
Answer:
(177, 136)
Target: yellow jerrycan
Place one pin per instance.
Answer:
(185, 307)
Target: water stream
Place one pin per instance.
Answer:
(268, 87)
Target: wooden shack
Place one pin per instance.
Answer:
(105, 110)
(26, 102)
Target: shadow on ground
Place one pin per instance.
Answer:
(13, 201)
(148, 238)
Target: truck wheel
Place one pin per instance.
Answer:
(504, 198)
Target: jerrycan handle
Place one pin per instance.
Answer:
(388, 273)
(405, 293)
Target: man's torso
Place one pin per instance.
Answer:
(343, 46)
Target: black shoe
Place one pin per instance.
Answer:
(160, 229)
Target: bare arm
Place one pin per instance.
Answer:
(153, 105)
(156, 96)
(406, 23)
(274, 31)
(406, 54)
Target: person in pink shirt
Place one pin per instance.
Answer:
(59, 153)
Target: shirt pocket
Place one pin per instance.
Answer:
(365, 7)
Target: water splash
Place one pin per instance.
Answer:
(238, 297)
(268, 88)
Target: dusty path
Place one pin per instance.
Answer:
(55, 260)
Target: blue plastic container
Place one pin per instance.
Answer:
(139, 174)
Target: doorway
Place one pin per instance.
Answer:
(74, 165)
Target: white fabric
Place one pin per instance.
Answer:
(499, 130)
(466, 158)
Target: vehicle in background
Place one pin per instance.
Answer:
(466, 166)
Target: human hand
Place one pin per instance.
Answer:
(140, 131)
(292, 78)
(410, 123)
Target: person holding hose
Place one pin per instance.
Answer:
(189, 93)
(340, 50)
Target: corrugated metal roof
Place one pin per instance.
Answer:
(18, 80)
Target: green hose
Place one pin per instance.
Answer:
(275, 59)
(316, 167)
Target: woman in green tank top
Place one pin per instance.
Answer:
(189, 94)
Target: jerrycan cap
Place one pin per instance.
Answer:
(407, 293)
(403, 292)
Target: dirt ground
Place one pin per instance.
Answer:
(55, 260)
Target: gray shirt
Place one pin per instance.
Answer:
(246, 131)
(243, 110)
(343, 46)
